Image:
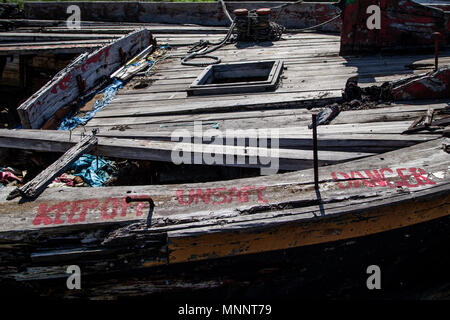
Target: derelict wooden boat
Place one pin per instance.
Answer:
(372, 179)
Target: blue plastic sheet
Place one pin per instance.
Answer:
(109, 93)
(86, 167)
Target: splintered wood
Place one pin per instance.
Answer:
(64, 89)
(33, 188)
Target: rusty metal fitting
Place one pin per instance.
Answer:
(436, 37)
(263, 11)
(240, 12)
(144, 199)
(315, 151)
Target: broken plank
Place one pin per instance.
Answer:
(429, 117)
(435, 125)
(227, 155)
(33, 188)
(63, 89)
(416, 122)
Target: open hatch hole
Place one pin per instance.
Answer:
(240, 77)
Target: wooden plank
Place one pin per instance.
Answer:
(429, 117)
(437, 124)
(292, 190)
(203, 13)
(280, 233)
(49, 48)
(155, 29)
(34, 188)
(43, 43)
(260, 119)
(227, 155)
(127, 71)
(365, 143)
(60, 26)
(364, 65)
(35, 36)
(416, 122)
(63, 89)
(370, 130)
(291, 99)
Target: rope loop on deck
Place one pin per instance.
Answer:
(200, 64)
(200, 50)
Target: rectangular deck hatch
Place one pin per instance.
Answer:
(238, 77)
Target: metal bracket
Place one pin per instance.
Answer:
(150, 212)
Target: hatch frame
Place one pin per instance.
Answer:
(203, 84)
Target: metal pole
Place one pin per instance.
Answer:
(316, 159)
(436, 36)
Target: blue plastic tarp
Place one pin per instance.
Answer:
(86, 167)
(109, 93)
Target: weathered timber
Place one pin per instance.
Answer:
(62, 89)
(262, 119)
(33, 188)
(416, 122)
(306, 81)
(128, 70)
(241, 156)
(60, 47)
(13, 37)
(278, 216)
(429, 117)
(437, 124)
(206, 13)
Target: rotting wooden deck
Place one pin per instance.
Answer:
(403, 180)
(314, 75)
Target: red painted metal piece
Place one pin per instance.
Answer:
(240, 12)
(404, 25)
(263, 11)
(431, 86)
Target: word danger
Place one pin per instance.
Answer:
(220, 195)
(407, 177)
(76, 211)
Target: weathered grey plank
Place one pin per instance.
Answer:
(260, 119)
(291, 99)
(33, 188)
(206, 13)
(63, 88)
(286, 188)
(288, 159)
